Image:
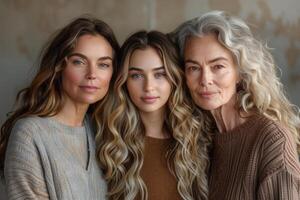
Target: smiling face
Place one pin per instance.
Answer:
(210, 72)
(88, 70)
(147, 82)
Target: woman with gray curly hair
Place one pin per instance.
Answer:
(232, 77)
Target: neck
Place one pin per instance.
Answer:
(227, 117)
(72, 114)
(154, 124)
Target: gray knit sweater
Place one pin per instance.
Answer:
(49, 160)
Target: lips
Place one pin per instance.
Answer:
(149, 99)
(206, 94)
(89, 88)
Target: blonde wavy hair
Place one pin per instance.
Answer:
(260, 88)
(120, 140)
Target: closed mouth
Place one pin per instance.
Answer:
(149, 99)
(88, 87)
(206, 94)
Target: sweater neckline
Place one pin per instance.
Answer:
(153, 140)
(239, 129)
(78, 130)
(68, 128)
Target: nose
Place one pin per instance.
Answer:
(148, 84)
(91, 72)
(205, 78)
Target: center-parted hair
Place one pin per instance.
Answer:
(44, 96)
(121, 138)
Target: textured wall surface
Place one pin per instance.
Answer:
(27, 24)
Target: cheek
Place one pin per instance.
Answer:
(191, 81)
(133, 89)
(189, 84)
(71, 77)
(105, 78)
(166, 87)
(228, 85)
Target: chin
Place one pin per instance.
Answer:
(149, 109)
(91, 100)
(207, 106)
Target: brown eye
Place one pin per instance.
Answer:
(160, 75)
(193, 68)
(218, 66)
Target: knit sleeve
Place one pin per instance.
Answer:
(23, 169)
(280, 167)
(280, 186)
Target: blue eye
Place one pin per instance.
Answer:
(103, 65)
(78, 62)
(136, 76)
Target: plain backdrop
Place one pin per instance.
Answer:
(26, 25)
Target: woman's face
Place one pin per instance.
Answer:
(147, 82)
(210, 72)
(88, 70)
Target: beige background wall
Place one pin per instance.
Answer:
(25, 26)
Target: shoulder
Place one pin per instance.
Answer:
(23, 143)
(278, 148)
(28, 127)
(27, 122)
(273, 133)
(268, 130)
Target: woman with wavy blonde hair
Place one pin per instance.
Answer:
(233, 76)
(47, 147)
(156, 149)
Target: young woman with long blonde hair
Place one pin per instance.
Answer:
(156, 149)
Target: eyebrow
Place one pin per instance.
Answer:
(211, 61)
(191, 61)
(217, 59)
(84, 57)
(139, 69)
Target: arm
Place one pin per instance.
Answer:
(23, 171)
(280, 177)
(280, 186)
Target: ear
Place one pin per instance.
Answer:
(239, 86)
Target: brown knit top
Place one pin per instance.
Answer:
(160, 183)
(257, 160)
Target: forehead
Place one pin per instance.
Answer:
(94, 45)
(207, 47)
(145, 58)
